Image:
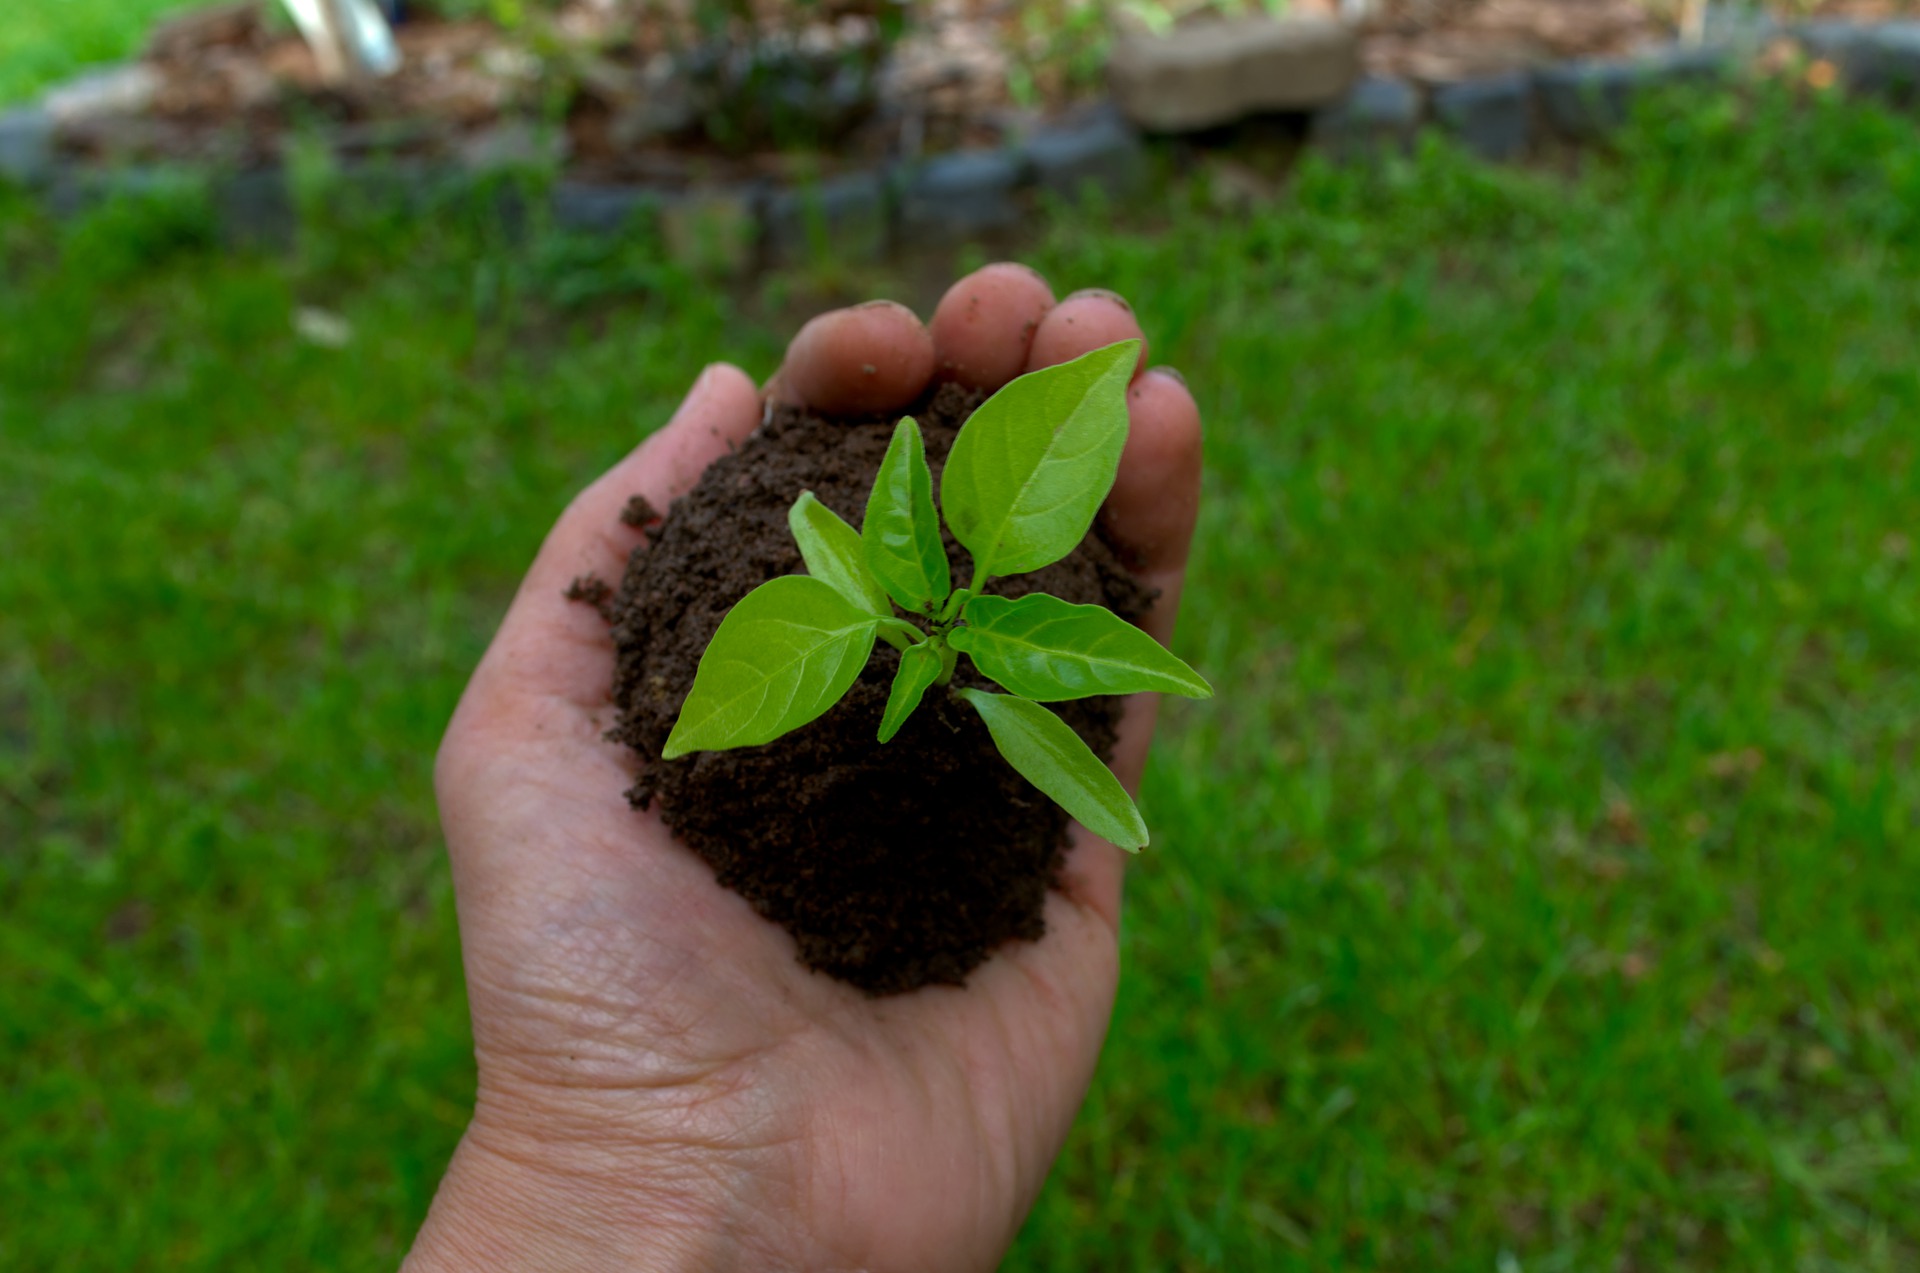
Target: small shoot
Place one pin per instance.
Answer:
(1025, 479)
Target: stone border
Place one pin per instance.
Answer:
(1584, 101)
(732, 229)
(724, 228)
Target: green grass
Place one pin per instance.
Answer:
(45, 41)
(1541, 892)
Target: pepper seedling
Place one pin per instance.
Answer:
(1026, 476)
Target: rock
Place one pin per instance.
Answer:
(512, 143)
(387, 184)
(256, 207)
(1829, 38)
(182, 36)
(76, 191)
(1492, 117)
(116, 90)
(713, 232)
(1881, 60)
(1378, 116)
(844, 218)
(1585, 101)
(1214, 73)
(1097, 149)
(961, 195)
(26, 146)
(601, 209)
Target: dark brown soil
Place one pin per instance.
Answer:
(893, 866)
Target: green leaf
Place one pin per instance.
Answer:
(834, 555)
(786, 653)
(1046, 649)
(901, 532)
(1051, 756)
(1031, 466)
(919, 668)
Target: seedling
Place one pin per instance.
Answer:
(1028, 472)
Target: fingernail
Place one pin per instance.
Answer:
(1104, 295)
(890, 305)
(1171, 373)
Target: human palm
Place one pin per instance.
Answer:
(662, 1084)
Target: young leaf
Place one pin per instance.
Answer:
(901, 532)
(1051, 756)
(786, 653)
(1031, 466)
(834, 555)
(919, 668)
(1046, 649)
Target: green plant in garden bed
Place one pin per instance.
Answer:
(1028, 472)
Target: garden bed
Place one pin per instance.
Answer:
(838, 137)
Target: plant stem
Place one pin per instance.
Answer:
(949, 659)
(951, 610)
(900, 634)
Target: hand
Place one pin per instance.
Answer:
(661, 1083)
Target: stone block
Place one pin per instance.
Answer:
(1586, 100)
(392, 186)
(713, 232)
(102, 94)
(1380, 115)
(75, 191)
(513, 144)
(1213, 73)
(1492, 117)
(958, 196)
(256, 207)
(1098, 149)
(593, 209)
(842, 218)
(1885, 62)
(26, 146)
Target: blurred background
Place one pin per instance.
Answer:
(1542, 890)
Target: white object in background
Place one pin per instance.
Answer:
(1356, 10)
(1693, 22)
(348, 37)
(322, 327)
(369, 37)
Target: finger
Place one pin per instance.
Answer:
(1085, 321)
(867, 360)
(1149, 517)
(551, 649)
(1150, 512)
(984, 326)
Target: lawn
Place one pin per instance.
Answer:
(45, 41)
(1541, 892)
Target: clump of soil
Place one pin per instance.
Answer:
(893, 866)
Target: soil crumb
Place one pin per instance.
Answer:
(593, 591)
(892, 866)
(639, 512)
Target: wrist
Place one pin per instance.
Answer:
(513, 1201)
